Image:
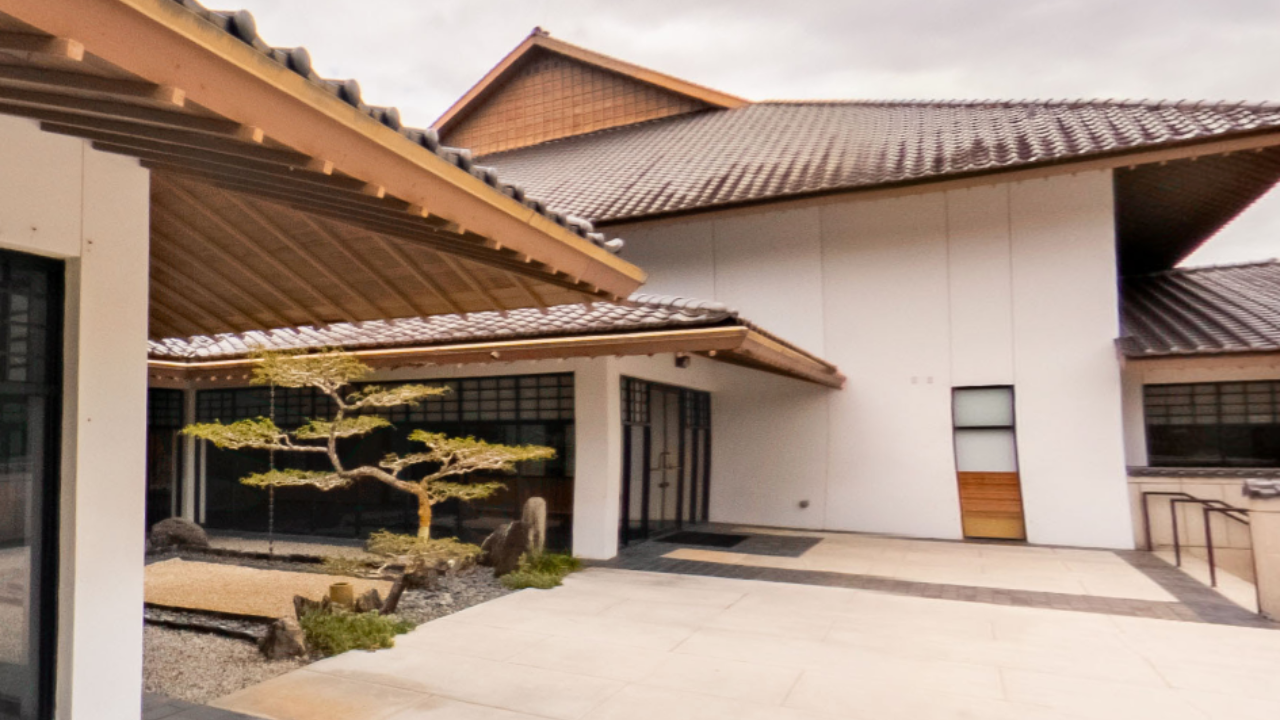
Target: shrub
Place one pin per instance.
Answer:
(389, 544)
(333, 633)
(543, 571)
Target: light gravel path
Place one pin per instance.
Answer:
(240, 590)
(198, 667)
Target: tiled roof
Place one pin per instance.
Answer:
(777, 149)
(241, 25)
(650, 312)
(1207, 310)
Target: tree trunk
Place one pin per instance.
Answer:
(424, 518)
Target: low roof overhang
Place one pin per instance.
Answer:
(280, 199)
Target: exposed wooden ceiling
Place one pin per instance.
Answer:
(287, 217)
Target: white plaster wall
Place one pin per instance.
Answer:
(60, 199)
(1000, 284)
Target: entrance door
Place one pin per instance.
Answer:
(666, 458)
(987, 463)
(665, 461)
(30, 376)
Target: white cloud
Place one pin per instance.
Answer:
(420, 56)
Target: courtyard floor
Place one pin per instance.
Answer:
(681, 640)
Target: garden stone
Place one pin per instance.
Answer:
(176, 532)
(370, 601)
(302, 605)
(534, 518)
(284, 640)
(509, 542)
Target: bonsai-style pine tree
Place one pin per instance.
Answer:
(332, 373)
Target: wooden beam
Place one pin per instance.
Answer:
(234, 260)
(193, 327)
(358, 261)
(214, 294)
(42, 45)
(208, 319)
(124, 132)
(473, 283)
(528, 291)
(65, 80)
(287, 240)
(230, 165)
(414, 269)
(137, 147)
(192, 260)
(119, 109)
(245, 242)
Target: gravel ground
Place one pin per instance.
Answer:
(241, 590)
(198, 667)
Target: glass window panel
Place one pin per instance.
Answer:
(983, 407)
(986, 451)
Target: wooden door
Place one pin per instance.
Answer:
(987, 464)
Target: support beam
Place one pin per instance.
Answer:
(119, 109)
(54, 47)
(171, 218)
(94, 83)
(122, 132)
(229, 165)
(472, 283)
(192, 308)
(528, 291)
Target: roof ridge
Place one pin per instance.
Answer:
(1192, 269)
(1031, 102)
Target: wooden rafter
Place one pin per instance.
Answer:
(287, 240)
(190, 260)
(192, 307)
(360, 262)
(64, 80)
(245, 242)
(124, 132)
(162, 319)
(414, 269)
(121, 109)
(203, 290)
(528, 292)
(231, 258)
(472, 283)
(54, 47)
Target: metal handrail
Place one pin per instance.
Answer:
(1227, 510)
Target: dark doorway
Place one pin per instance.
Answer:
(666, 460)
(30, 410)
(164, 454)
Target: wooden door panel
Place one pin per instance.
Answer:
(991, 505)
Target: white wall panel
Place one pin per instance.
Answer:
(679, 257)
(980, 292)
(891, 463)
(1066, 319)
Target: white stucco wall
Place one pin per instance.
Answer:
(60, 199)
(1010, 284)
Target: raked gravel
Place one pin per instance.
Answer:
(198, 667)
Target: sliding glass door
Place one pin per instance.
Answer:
(30, 374)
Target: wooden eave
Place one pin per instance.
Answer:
(213, 117)
(539, 39)
(733, 344)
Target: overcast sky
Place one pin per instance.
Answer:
(420, 55)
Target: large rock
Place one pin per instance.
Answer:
(502, 549)
(176, 532)
(370, 601)
(534, 518)
(285, 639)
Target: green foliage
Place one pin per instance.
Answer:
(380, 397)
(249, 433)
(293, 478)
(542, 572)
(347, 427)
(327, 369)
(389, 544)
(333, 633)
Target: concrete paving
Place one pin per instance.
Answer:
(626, 645)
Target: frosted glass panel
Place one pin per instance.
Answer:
(984, 407)
(985, 451)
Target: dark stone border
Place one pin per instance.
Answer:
(1195, 604)
(1203, 472)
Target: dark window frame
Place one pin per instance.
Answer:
(1206, 415)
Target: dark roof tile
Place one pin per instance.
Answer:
(1202, 311)
(778, 149)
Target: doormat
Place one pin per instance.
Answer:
(706, 539)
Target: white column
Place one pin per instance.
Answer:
(188, 479)
(103, 491)
(597, 483)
